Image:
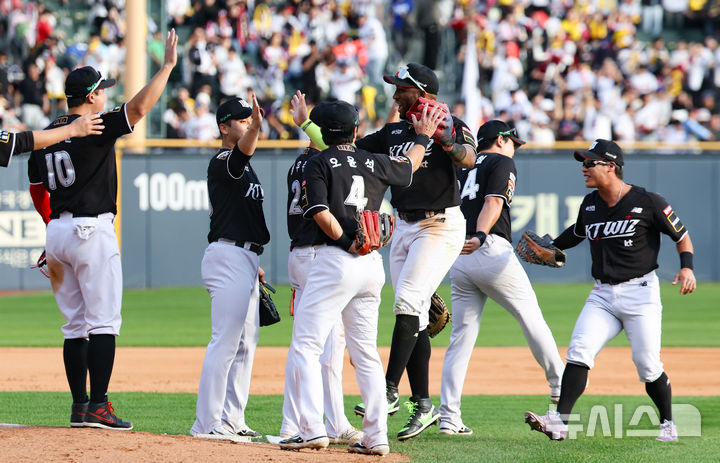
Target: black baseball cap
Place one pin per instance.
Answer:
(81, 82)
(602, 150)
(234, 108)
(492, 129)
(416, 76)
(335, 116)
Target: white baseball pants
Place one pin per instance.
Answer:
(85, 274)
(230, 274)
(420, 256)
(300, 261)
(634, 306)
(492, 271)
(340, 286)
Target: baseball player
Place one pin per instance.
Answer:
(488, 268)
(21, 142)
(305, 236)
(341, 284)
(231, 271)
(82, 250)
(429, 235)
(623, 223)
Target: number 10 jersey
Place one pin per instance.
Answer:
(80, 173)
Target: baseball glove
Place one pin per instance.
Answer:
(445, 132)
(373, 231)
(268, 313)
(438, 315)
(42, 265)
(540, 250)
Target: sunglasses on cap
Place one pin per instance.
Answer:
(404, 73)
(508, 133)
(590, 163)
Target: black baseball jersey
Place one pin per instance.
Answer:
(302, 231)
(14, 143)
(345, 179)
(493, 175)
(236, 211)
(434, 185)
(625, 239)
(80, 173)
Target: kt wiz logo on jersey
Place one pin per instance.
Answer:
(611, 229)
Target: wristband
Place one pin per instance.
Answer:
(482, 236)
(422, 139)
(344, 242)
(686, 260)
(304, 125)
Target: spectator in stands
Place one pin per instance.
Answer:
(202, 126)
(35, 103)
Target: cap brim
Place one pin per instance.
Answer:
(517, 140)
(394, 80)
(582, 155)
(107, 83)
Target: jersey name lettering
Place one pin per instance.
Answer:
(612, 229)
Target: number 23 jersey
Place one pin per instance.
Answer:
(80, 173)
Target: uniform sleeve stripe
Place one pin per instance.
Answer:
(227, 166)
(681, 237)
(12, 151)
(132, 129)
(314, 207)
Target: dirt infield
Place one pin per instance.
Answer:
(501, 371)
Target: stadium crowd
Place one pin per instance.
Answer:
(557, 69)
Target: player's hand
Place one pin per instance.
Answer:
(89, 124)
(428, 122)
(298, 108)
(686, 278)
(393, 114)
(471, 245)
(261, 276)
(257, 112)
(170, 58)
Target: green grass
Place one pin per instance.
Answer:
(497, 421)
(181, 317)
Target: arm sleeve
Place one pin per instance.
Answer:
(394, 170)
(314, 189)
(236, 163)
(41, 200)
(14, 143)
(116, 124)
(375, 142)
(501, 181)
(313, 131)
(463, 135)
(665, 218)
(568, 239)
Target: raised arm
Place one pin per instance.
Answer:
(89, 124)
(248, 142)
(424, 128)
(146, 98)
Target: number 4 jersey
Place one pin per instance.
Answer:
(80, 173)
(345, 179)
(493, 175)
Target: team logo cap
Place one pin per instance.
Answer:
(602, 150)
(417, 76)
(335, 116)
(493, 129)
(81, 82)
(234, 108)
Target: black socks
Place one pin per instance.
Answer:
(75, 359)
(573, 385)
(661, 394)
(418, 366)
(405, 335)
(100, 360)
